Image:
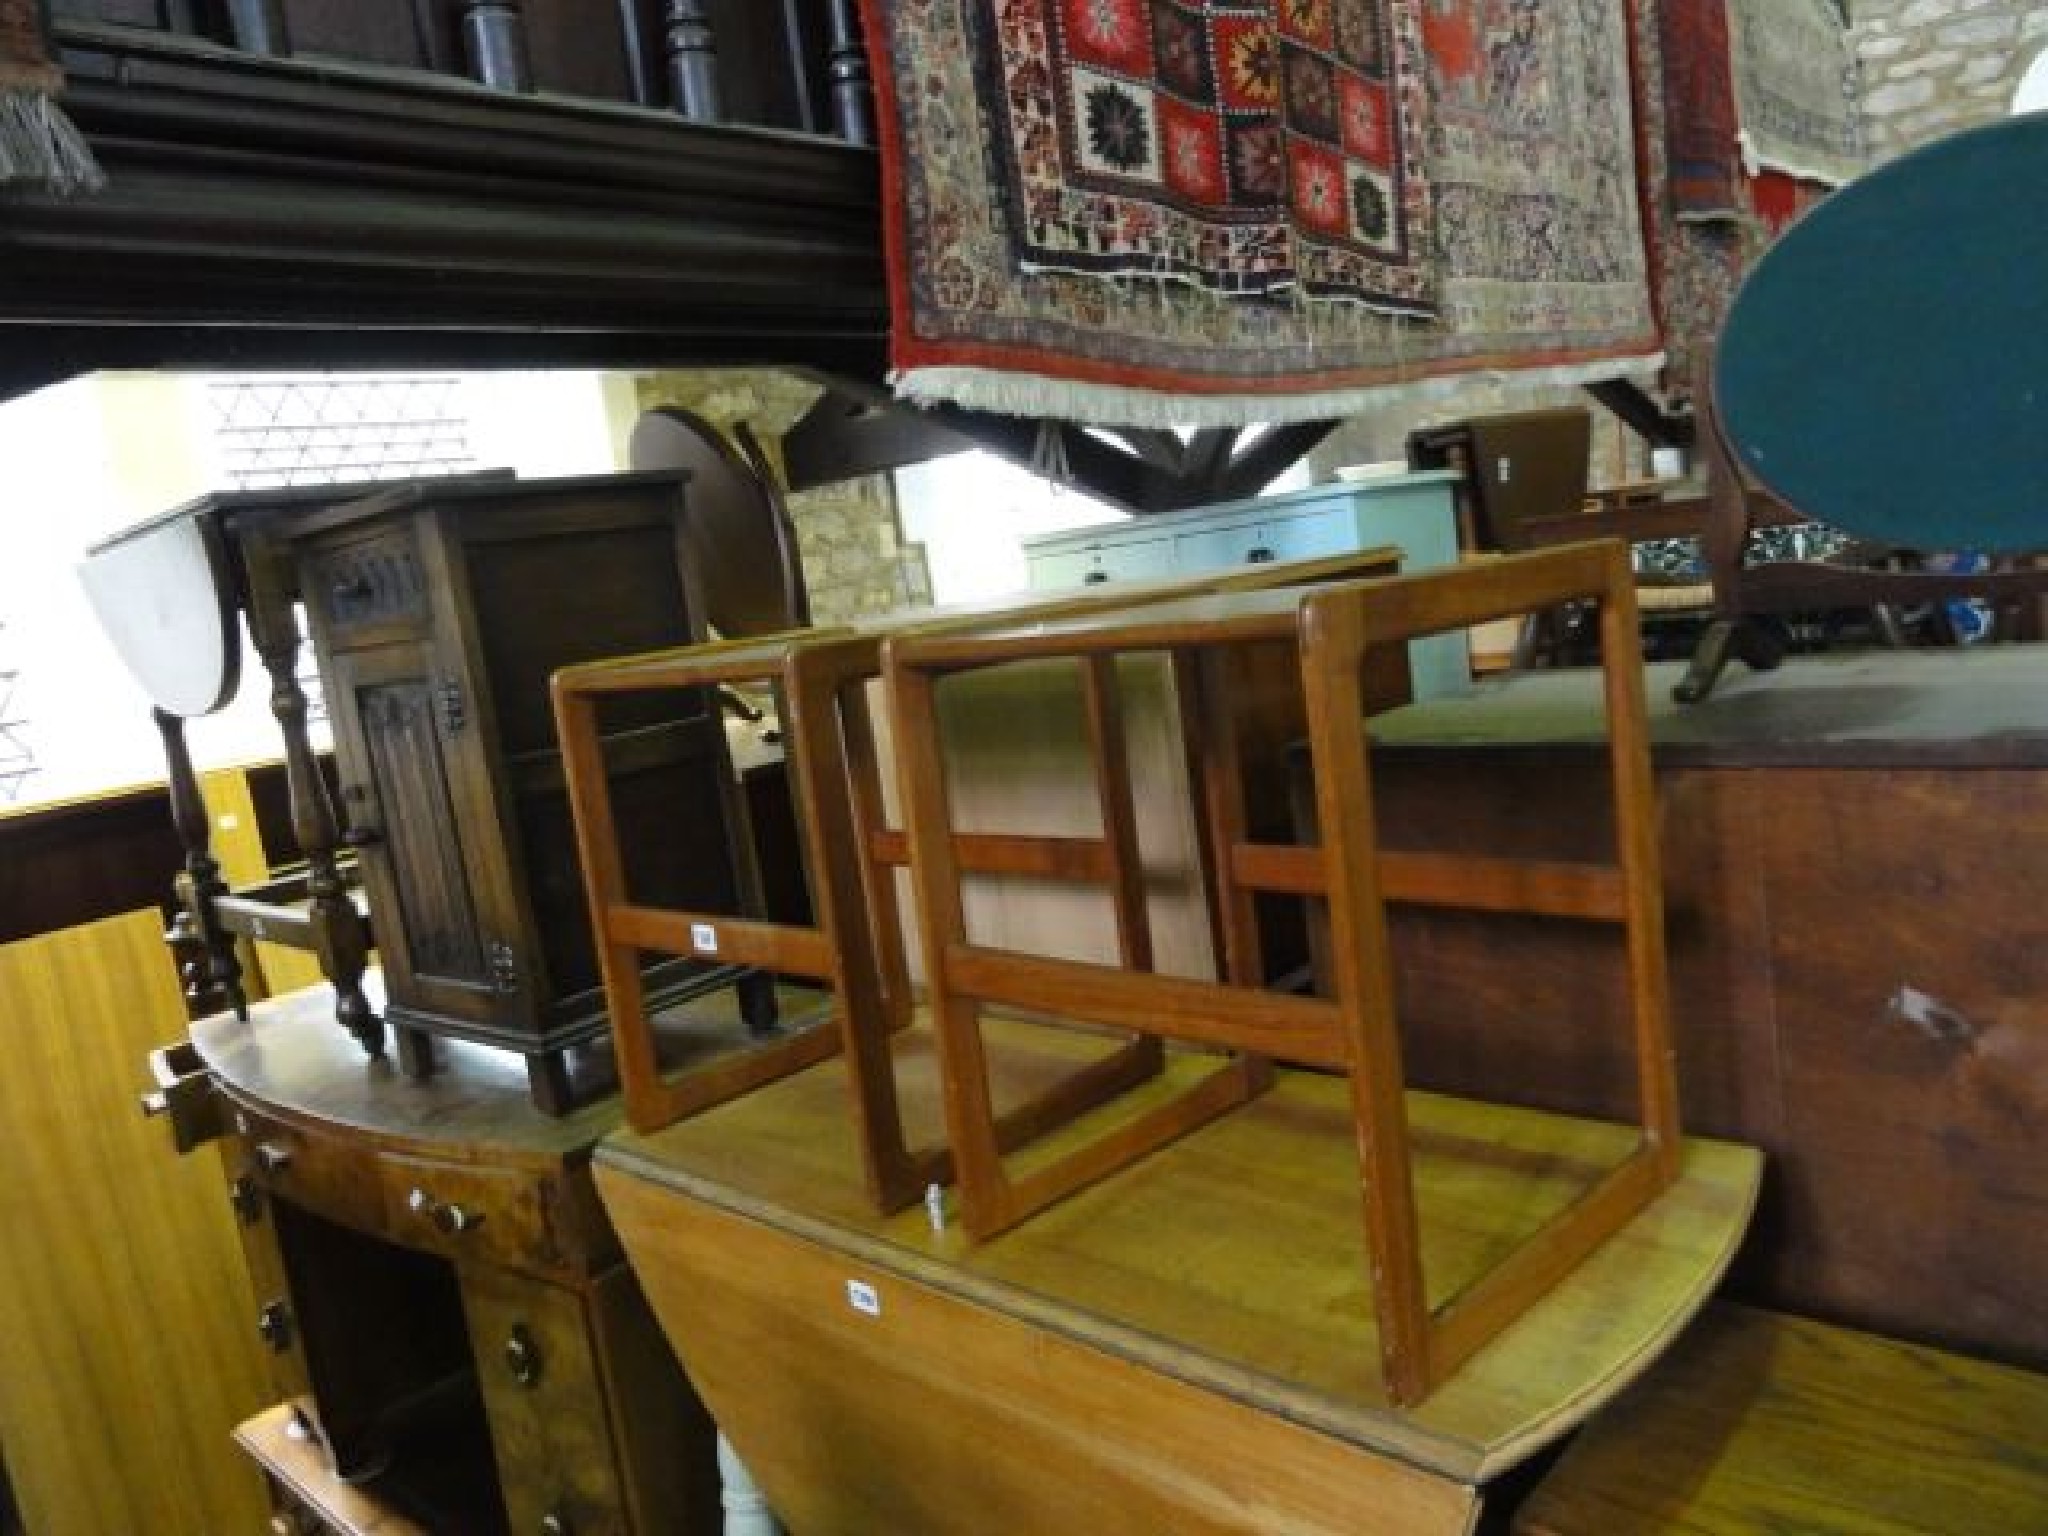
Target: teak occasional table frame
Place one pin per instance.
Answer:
(821, 679)
(854, 944)
(1333, 631)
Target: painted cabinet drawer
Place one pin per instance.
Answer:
(1124, 560)
(1218, 549)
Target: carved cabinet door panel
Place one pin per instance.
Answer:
(428, 839)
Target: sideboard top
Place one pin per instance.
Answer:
(1975, 708)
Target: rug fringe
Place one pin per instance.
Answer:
(1117, 405)
(41, 147)
(1755, 162)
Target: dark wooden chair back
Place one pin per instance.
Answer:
(1518, 467)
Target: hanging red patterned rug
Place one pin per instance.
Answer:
(38, 145)
(1246, 149)
(1065, 240)
(1706, 163)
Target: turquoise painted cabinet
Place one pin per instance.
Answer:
(1416, 513)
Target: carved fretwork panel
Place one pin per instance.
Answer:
(374, 582)
(402, 726)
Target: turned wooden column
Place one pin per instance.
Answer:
(853, 92)
(692, 49)
(207, 962)
(494, 41)
(340, 937)
(259, 26)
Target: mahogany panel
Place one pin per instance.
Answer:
(1462, 973)
(62, 865)
(1854, 990)
(1909, 975)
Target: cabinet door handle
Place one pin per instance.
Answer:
(1095, 578)
(1259, 554)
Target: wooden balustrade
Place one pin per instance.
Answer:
(793, 64)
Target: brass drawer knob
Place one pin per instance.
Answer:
(522, 1356)
(246, 1199)
(274, 1326)
(273, 1157)
(448, 1217)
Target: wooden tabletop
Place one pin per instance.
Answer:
(1234, 1259)
(1759, 1424)
(1981, 707)
(293, 1057)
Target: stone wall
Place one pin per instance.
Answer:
(1932, 67)
(850, 537)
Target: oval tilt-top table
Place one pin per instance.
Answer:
(1884, 370)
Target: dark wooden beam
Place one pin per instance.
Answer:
(297, 204)
(27, 366)
(841, 439)
(1101, 468)
(858, 428)
(1206, 459)
(1161, 449)
(1259, 463)
(1643, 415)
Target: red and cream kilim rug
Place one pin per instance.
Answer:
(1162, 212)
(1246, 148)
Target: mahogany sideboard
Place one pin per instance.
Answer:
(450, 1322)
(1853, 850)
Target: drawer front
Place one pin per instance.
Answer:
(1135, 560)
(1221, 548)
(1315, 535)
(329, 1177)
(499, 1215)
(275, 1322)
(362, 589)
(543, 1392)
